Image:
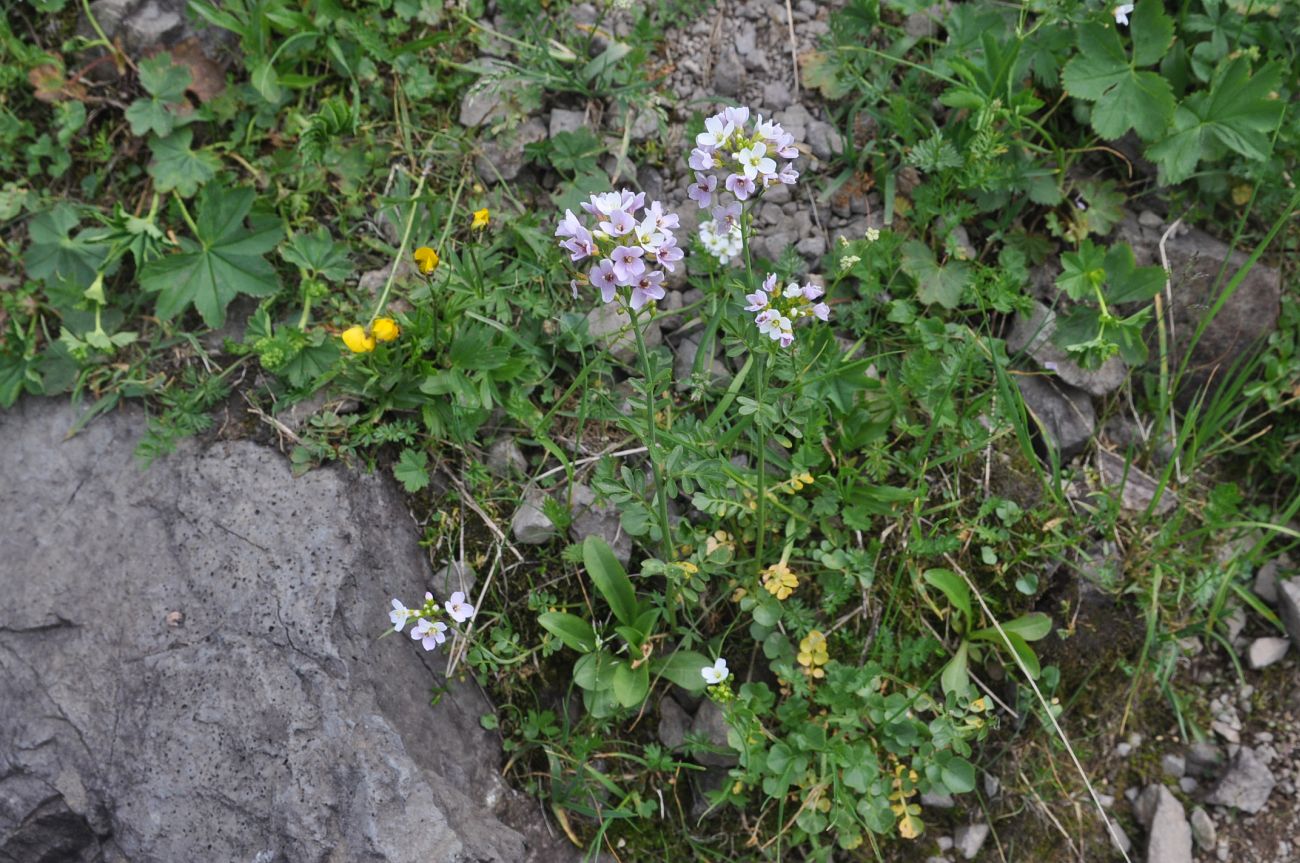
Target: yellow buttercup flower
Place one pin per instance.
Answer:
(385, 329)
(426, 259)
(812, 654)
(779, 581)
(481, 218)
(358, 340)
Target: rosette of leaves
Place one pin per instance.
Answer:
(1099, 281)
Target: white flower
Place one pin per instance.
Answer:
(429, 633)
(399, 615)
(1121, 14)
(458, 608)
(716, 673)
(873, 234)
(716, 132)
(754, 160)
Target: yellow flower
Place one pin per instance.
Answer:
(779, 581)
(480, 219)
(358, 340)
(426, 259)
(812, 654)
(385, 329)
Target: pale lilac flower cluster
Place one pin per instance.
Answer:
(428, 630)
(628, 249)
(732, 160)
(779, 309)
(724, 245)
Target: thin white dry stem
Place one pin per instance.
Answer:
(1050, 817)
(1169, 298)
(283, 430)
(478, 510)
(621, 158)
(478, 603)
(794, 47)
(1056, 726)
(983, 687)
(585, 461)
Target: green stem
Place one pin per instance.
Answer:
(661, 492)
(185, 214)
(401, 250)
(760, 529)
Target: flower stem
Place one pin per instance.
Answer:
(760, 515)
(401, 250)
(661, 492)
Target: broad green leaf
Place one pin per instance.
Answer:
(610, 579)
(176, 166)
(953, 587)
(224, 259)
(318, 253)
(150, 115)
(1152, 31)
(412, 470)
(958, 774)
(1127, 282)
(1237, 111)
(572, 630)
(163, 78)
(1030, 627)
(1103, 73)
(1082, 272)
(683, 668)
(53, 253)
(265, 80)
(935, 283)
(1018, 646)
(631, 684)
(955, 677)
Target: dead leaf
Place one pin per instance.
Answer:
(51, 86)
(207, 77)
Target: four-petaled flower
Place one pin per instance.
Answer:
(1121, 14)
(400, 615)
(430, 633)
(458, 608)
(716, 673)
(779, 310)
(426, 259)
(481, 218)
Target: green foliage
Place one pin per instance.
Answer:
(224, 259)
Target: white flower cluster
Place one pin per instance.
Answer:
(778, 311)
(627, 248)
(729, 157)
(723, 244)
(428, 630)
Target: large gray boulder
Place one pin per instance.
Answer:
(190, 667)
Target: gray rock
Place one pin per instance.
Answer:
(529, 524)
(645, 125)
(1263, 652)
(1173, 766)
(1033, 335)
(777, 95)
(812, 248)
(934, 800)
(1118, 837)
(501, 157)
(710, 726)
(1265, 585)
(1247, 784)
(729, 74)
(505, 458)
(1063, 414)
(1137, 489)
(196, 670)
(611, 327)
(684, 365)
(1204, 759)
(566, 121)
(1203, 830)
(970, 838)
(1288, 606)
(673, 722)
(824, 140)
(595, 519)
(454, 575)
(1169, 837)
(143, 28)
(1187, 784)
